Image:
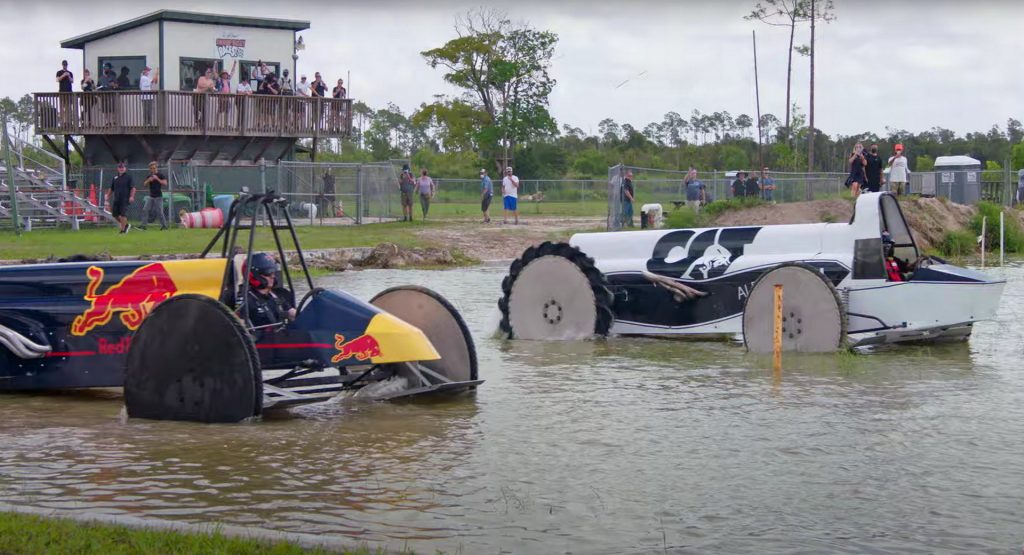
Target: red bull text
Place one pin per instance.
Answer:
(363, 347)
(134, 297)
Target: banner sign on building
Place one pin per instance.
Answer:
(230, 46)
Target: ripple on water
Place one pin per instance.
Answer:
(609, 446)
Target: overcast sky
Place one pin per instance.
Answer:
(911, 65)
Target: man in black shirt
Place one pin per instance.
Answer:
(752, 186)
(155, 201)
(64, 77)
(627, 200)
(738, 188)
(874, 169)
(122, 193)
(262, 305)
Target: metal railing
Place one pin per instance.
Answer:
(190, 113)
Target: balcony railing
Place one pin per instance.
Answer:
(189, 113)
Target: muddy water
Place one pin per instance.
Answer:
(618, 446)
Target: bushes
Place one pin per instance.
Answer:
(685, 217)
(1014, 236)
(958, 243)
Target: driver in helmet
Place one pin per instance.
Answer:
(895, 268)
(265, 308)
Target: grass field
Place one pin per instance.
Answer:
(42, 243)
(29, 535)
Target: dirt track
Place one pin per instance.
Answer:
(496, 241)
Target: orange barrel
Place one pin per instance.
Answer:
(207, 217)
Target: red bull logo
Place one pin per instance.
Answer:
(134, 297)
(363, 347)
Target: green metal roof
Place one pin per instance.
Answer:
(186, 17)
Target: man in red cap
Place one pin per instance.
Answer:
(899, 171)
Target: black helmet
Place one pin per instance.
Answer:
(263, 265)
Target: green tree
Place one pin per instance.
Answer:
(1017, 157)
(503, 67)
(924, 163)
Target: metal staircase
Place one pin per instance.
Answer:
(41, 190)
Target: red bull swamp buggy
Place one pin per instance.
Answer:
(178, 336)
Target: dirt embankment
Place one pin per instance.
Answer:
(929, 218)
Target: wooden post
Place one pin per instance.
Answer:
(777, 335)
(984, 221)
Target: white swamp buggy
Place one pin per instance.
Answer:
(837, 288)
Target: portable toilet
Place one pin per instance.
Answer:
(958, 178)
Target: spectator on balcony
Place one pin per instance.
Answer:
(108, 82)
(124, 81)
(259, 71)
(64, 81)
(427, 189)
(243, 88)
(287, 86)
(338, 113)
(223, 86)
(318, 87)
(64, 78)
(303, 88)
(154, 205)
(204, 86)
(147, 84)
(88, 101)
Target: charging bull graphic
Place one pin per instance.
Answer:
(687, 254)
(363, 348)
(134, 297)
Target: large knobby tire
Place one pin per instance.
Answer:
(192, 359)
(440, 322)
(554, 291)
(813, 316)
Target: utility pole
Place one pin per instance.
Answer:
(757, 95)
(810, 132)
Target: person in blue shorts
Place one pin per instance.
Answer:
(510, 195)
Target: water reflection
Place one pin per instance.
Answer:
(623, 445)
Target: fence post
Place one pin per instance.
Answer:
(11, 187)
(359, 194)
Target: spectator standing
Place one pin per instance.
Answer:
(259, 71)
(122, 194)
(406, 185)
(148, 84)
(65, 79)
(303, 88)
(318, 87)
(88, 101)
(899, 173)
(767, 186)
(695, 192)
(874, 169)
(108, 82)
(426, 188)
(154, 205)
(857, 177)
(328, 194)
(752, 187)
(486, 194)
(627, 200)
(287, 86)
(510, 195)
(204, 86)
(243, 88)
(339, 90)
(223, 86)
(738, 188)
(124, 81)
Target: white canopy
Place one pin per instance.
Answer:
(948, 161)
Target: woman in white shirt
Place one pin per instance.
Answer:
(899, 172)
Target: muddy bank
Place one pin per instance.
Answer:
(929, 218)
(384, 255)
